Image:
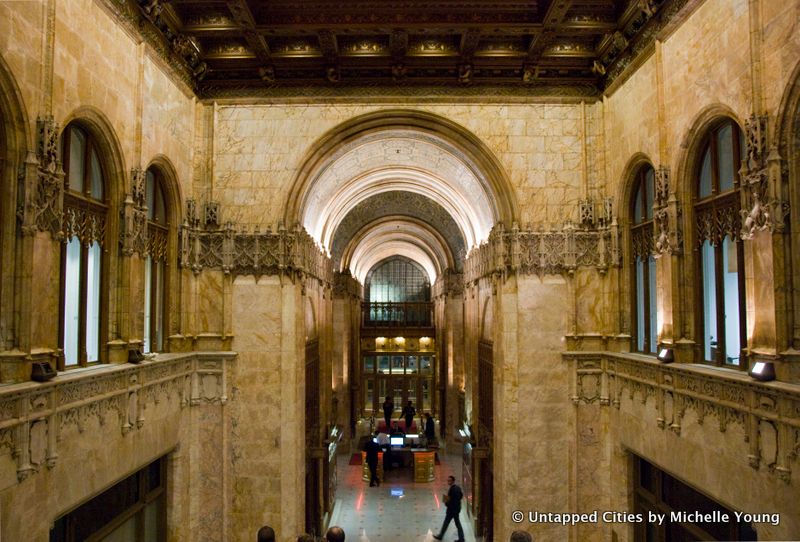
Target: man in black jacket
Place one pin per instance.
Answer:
(453, 503)
(372, 448)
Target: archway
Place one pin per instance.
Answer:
(409, 184)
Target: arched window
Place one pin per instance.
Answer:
(720, 265)
(155, 276)
(644, 264)
(82, 267)
(397, 280)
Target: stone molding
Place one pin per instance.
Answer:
(237, 250)
(540, 253)
(35, 418)
(769, 413)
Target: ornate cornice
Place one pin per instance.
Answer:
(609, 378)
(238, 250)
(530, 252)
(147, 23)
(484, 94)
(627, 48)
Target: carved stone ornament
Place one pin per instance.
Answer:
(764, 206)
(554, 251)
(586, 210)
(238, 250)
(662, 185)
(133, 237)
(42, 179)
(667, 233)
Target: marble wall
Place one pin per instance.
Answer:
(259, 148)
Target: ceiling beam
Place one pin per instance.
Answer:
(552, 20)
(244, 18)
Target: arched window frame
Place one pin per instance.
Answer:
(156, 278)
(643, 266)
(716, 230)
(83, 290)
(421, 277)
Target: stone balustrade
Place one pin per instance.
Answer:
(36, 417)
(768, 412)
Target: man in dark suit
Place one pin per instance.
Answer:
(372, 448)
(452, 501)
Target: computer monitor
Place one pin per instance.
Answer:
(396, 441)
(412, 439)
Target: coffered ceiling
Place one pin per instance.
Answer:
(251, 47)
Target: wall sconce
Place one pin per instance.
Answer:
(425, 341)
(665, 355)
(763, 371)
(399, 341)
(380, 341)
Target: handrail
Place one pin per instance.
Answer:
(406, 314)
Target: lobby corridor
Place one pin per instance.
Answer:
(399, 510)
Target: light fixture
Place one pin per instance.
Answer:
(42, 371)
(665, 355)
(425, 341)
(763, 371)
(399, 340)
(380, 341)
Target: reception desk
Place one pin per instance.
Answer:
(422, 460)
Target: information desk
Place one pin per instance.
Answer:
(424, 461)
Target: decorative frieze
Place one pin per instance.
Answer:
(764, 206)
(768, 414)
(237, 250)
(36, 418)
(544, 252)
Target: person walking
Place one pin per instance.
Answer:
(388, 409)
(372, 448)
(430, 430)
(452, 501)
(408, 413)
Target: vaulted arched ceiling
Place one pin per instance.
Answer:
(400, 182)
(407, 204)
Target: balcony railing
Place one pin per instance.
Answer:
(411, 314)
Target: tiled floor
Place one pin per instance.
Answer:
(400, 510)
